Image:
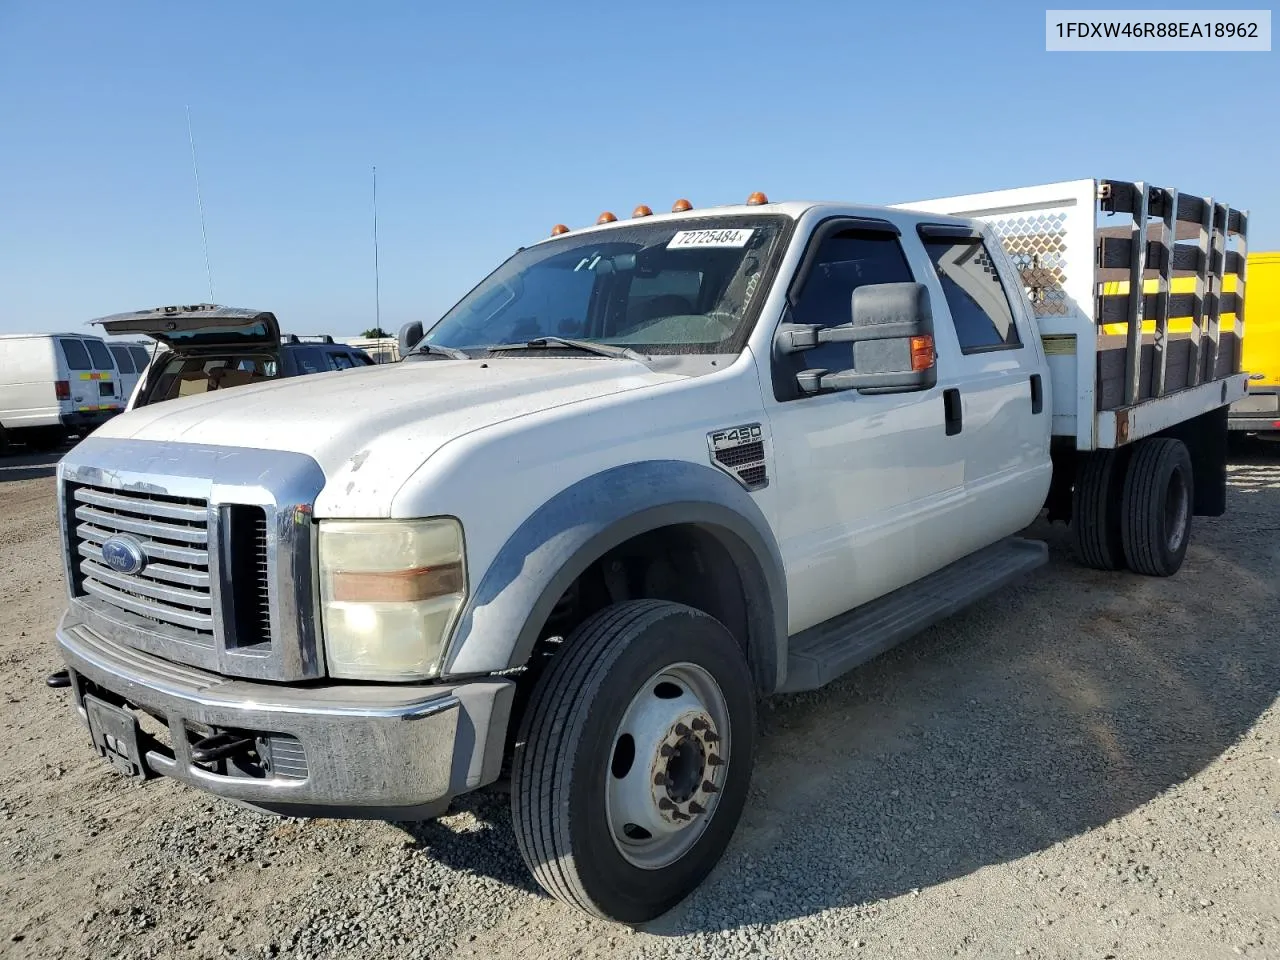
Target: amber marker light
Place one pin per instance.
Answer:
(681, 205)
(642, 211)
(756, 199)
(922, 355)
(606, 217)
(558, 229)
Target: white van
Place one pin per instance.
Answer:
(53, 385)
(132, 358)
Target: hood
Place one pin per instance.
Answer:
(370, 429)
(202, 325)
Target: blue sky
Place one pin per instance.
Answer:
(489, 123)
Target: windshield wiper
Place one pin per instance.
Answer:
(453, 353)
(586, 346)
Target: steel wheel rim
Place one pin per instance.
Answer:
(668, 766)
(1176, 508)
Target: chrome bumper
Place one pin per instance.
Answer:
(370, 750)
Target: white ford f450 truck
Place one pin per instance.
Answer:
(641, 476)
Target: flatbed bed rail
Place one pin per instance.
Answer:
(1084, 249)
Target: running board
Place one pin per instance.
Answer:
(831, 649)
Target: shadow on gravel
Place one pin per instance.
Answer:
(1038, 715)
(483, 845)
(26, 465)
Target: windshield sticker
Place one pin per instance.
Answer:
(687, 239)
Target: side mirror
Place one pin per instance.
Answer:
(410, 335)
(891, 333)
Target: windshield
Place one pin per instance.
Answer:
(684, 286)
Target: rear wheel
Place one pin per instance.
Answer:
(1158, 498)
(1095, 509)
(633, 760)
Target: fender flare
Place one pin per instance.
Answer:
(511, 601)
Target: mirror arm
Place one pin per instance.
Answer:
(798, 337)
(847, 333)
(815, 381)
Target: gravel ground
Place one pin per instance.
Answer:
(1086, 765)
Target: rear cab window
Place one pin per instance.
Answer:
(980, 308)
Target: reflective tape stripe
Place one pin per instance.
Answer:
(95, 376)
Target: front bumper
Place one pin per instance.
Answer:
(381, 751)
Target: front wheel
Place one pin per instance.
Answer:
(633, 760)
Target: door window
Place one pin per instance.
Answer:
(124, 360)
(845, 261)
(140, 358)
(77, 356)
(980, 308)
(339, 361)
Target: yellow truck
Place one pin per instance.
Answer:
(1259, 412)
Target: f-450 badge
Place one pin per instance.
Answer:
(739, 452)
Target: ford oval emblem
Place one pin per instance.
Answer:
(123, 554)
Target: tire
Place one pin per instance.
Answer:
(571, 775)
(1096, 508)
(1159, 498)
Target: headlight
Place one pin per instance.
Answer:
(390, 592)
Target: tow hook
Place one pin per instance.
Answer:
(220, 746)
(58, 679)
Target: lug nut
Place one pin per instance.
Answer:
(665, 750)
(681, 730)
(659, 779)
(709, 787)
(665, 804)
(711, 737)
(678, 815)
(696, 807)
(714, 761)
(699, 724)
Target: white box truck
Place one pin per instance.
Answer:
(642, 475)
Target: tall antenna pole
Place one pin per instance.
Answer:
(377, 287)
(204, 234)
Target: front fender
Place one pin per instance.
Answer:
(511, 601)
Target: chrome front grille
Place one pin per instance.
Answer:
(173, 588)
(213, 565)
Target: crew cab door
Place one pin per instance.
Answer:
(869, 485)
(998, 402)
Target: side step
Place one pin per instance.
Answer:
(831, 649)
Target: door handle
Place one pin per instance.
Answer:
(1037, 394)
(952, 411)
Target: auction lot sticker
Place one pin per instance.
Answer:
(687, 239)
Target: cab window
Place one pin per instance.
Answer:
(845, 261)
(980, 308)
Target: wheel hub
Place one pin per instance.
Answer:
(669, 764)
